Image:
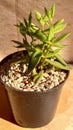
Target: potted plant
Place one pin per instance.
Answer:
(34, 76)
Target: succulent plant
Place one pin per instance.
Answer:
(43, 51)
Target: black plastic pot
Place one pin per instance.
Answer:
(33, 109)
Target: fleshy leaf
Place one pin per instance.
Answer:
(38, 15)
(38, 77)
(40, 35)
(34, 59)
(40, 45)
(22, 28)
(51, 33)
(59, 27)
(52, 10)
(34, 26)
(30, 18)
(27, 46)
(45, 18)
(53, 53)
(62, 37)
(50, 13)
(59, 22)
(19, 44)
(60, 59)
(26, 22)
(59, 45)
(57, 64)
(39, 18)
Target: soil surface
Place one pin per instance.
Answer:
(14, 75)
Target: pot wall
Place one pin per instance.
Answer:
(33, 109)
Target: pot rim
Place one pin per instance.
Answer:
(18, 90)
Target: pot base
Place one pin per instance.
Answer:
(33, 124)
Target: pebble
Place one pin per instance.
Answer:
(15, 77)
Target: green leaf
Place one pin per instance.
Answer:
(26, 22)
(39, 45)
(53, 53)
(60, 59)
(42, 22)
(57, 64)
(38, 16)
(51, 12)
(62, 37)
(59, 22)
(19, 44)
(48, 13)
(38, 77)
(59, 45)
(27, 46)
(34, 27)
(51, 33)
(34, 59)
(40, 35)
(22, 28)
(30, 18)
(31, 31)
(45, 18)
(59, 28)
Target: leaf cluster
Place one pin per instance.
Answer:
(43, 51)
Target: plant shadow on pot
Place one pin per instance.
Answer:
(30, 109)
(5, 109)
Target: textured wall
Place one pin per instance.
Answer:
(13, 11)
(7, 29)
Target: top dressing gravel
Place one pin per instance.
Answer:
(16, 78)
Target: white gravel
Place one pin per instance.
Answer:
(16, 78)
